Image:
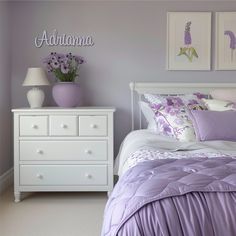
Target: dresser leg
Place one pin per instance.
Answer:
(17, 196)
(108, 193)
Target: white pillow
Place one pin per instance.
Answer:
(218, 105)
(224, 94)
(149, 116)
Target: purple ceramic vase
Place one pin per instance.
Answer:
(66, 94)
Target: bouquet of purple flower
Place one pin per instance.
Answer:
(65, 67)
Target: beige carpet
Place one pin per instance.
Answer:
(52, 214)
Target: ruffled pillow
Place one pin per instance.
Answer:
(224, 94)
(219, 105)
(171, 114)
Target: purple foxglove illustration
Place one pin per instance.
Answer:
(232, 43)
(187, 34)
(188, 50)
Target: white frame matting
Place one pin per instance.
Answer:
(140, 88)
(199, 41)
(225, 55)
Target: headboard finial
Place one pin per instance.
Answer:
(132, 86)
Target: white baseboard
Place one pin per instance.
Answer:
(6, 180)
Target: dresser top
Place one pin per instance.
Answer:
(62, 109)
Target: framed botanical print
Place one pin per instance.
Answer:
(188, 41)
(225, 41)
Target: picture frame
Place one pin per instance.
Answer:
(188, 41)
(225, 58)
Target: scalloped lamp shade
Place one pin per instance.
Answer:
(35, 77)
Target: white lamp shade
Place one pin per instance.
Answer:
(35, 77)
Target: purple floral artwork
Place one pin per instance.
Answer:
(232, 42)
(188, 50)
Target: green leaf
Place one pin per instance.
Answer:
(194, 53)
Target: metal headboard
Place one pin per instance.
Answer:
(141, 88)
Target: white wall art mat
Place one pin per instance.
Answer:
(188, 40)
(225, 41)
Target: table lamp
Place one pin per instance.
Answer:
(35, 77)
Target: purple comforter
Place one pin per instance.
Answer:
(174, 197)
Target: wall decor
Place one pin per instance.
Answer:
(225, 41)
(188, 41)
(55, 39)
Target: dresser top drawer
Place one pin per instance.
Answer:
(33, 125)
(63, 125)
(93, 125)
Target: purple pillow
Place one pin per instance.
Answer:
(214, 125)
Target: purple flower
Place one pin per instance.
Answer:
(156, 106)
(172, 110)
(192, 102)
(200, 95)
(65, 61)
(174, 102)
(179, 121)
(79, 59)
(187, 34)
(232, 39)
(55, 64)
(166, 128)
(64, 69)
(54, 58)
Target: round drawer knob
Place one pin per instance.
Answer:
(93, 126)
(88, 176)
(39, 176)
(34, 126)
(87, 151)
(39, 151)
(63, 126)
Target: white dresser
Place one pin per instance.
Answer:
(57, 149)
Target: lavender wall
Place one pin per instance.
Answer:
(5, 97)
(130, 45)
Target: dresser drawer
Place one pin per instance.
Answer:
(64, 150)
(63, 175)
(63, 125)
(33, 125)
(93, 125)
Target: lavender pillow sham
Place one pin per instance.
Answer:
(214, 125)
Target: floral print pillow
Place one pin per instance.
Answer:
(171, 114)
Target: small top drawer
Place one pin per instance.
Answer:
(33, 125)
(63, 125)
(93, 125)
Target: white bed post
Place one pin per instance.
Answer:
(132, 86)
(140, 114)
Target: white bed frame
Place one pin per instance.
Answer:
(141, 88)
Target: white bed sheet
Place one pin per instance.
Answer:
(147, 139)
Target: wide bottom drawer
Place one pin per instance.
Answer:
(63, 175)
